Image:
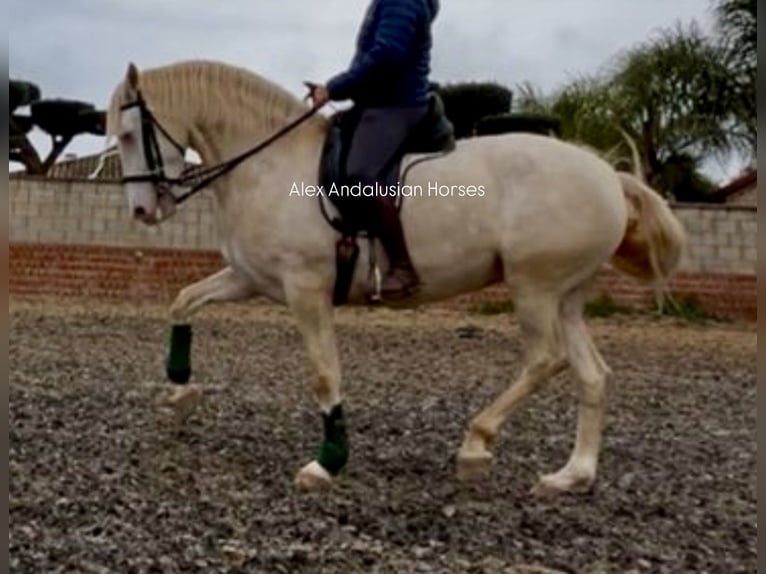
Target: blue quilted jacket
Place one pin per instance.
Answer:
(393, 56)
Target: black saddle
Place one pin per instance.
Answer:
(433, 134)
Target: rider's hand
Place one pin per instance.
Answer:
(318, 93)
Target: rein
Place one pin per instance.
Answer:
(197, 177)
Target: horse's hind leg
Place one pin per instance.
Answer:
(579, 473)
(225, 285)
(544, 357)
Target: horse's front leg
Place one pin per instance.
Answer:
(310, 301)
(225, 285)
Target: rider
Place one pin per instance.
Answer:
(388, 83)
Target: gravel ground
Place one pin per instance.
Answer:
(102, 481)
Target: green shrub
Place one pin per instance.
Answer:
(66, 118)
(679, 175)
(504, 306)
(466, 103)
(687, 309)
(604, 306)
(21, 94)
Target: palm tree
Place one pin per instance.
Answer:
(584, 109)
(670, 95)
(737, 35)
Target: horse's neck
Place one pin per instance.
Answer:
(293, 157)
(218, 142)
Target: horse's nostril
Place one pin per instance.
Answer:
(139, 211)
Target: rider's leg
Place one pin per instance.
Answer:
(377, 139)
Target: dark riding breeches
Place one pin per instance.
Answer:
(377, 140)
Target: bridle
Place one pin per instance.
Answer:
(154, 164)
(195, 178)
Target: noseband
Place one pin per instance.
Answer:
(195, 178)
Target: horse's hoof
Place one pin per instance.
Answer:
(183, 402)
(313, 477)
(473, 465)
(562, 482)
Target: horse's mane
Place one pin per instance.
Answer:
(221, 93)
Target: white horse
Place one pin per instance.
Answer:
(551, 216)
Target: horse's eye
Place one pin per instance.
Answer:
(126, 137)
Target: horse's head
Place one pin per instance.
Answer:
(152, 160)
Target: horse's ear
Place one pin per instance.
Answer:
(131, 77)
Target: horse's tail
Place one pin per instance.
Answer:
(654, 237)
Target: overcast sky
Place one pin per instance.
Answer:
(80, 48)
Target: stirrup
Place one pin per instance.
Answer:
(405, 292)
(375, 277)
(376, 281)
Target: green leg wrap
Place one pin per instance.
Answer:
(178, 365)
(333, 452)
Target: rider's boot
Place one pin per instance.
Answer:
(400, 280)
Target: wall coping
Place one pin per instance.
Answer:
(682, 205)
(68, 180)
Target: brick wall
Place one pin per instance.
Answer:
(114, 273)
(725, 295)
(77, 238)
